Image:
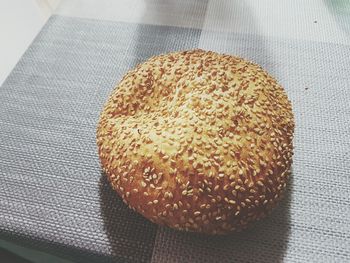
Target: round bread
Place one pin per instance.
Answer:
(198, 141)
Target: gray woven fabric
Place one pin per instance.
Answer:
(52, 193)
(53, 196)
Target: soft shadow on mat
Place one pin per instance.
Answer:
(265, 241)
(131, 237)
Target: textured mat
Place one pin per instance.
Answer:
(54, 198)
(52, 193)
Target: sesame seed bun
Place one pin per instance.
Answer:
(198, 141)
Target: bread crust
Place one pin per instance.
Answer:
(198, 141)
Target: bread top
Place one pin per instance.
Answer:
(197, 140)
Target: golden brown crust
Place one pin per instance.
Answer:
(199, 141)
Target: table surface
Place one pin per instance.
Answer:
(53, 196)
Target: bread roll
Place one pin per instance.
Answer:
(198, 141)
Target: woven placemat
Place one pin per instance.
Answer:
(53, 196)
